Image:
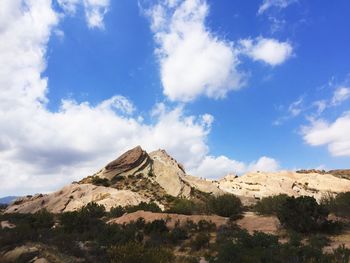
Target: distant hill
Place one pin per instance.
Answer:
(7, 199)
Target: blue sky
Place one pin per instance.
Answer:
(223, 86)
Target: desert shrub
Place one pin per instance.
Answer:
(226, 233)
(226, 205)
(138, 253)
(302, 214)
(182, 206)
(156, 226)
(178, 234)
(152, 207)
(116, 211)
(339, 204)
(204, 225)
(200, 241)
(341, 255)
(243, 247)
(100, 181)
(115, 234)
(270, 205)
(87, 219)
(318, 241)
(191, 226)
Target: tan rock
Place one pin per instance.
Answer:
(262, 184)
(74, 196)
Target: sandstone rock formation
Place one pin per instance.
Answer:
(263, 184)
(134, 177)
(74, 196)
(137, 176)
(131, 162)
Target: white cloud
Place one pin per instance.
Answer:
(340, 95)
(268, 50)
(193, 61)
(267, 4)
(335, 135)
(41, 150)
(217, 167)
(296, 107)
(95, 10)
(264, 164)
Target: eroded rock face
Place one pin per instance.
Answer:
(137, 176)
(131, 162)
(263, 184)
(74, 196)
(169, 174)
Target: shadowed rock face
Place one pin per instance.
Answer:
(131, 162)
(128, 160)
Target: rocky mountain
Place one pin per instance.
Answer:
(134, 177)
(137, 176)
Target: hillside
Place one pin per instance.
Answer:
(137, 176)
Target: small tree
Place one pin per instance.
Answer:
(182, 206)
(226, 205)
(302, 214)
(270, 205)
(339, 204)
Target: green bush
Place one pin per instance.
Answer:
(178, 234)
(270, 205)
(152, 207)
(117, 211)
(200, 241)
(339, 204)
(87, 219)
(138, 253)
(182, 206)
(156, 226)
(100, 181)
(226, 205)
(302, 214)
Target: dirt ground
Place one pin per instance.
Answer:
(250, 221)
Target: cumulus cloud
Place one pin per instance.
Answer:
(193, 61)
(335, 135)
(268, 50)
(267, 4)
(217, 167)
(95, 10)
(40, 149)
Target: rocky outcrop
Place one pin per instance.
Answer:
(169, 174)
(340, 173)
(134, 177)
(74, 196)
(131, 162)
(262, 184)
(137, 176)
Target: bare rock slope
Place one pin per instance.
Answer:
(134, 177)
(263, 184)
(137, 176)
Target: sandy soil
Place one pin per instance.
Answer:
(250, 221)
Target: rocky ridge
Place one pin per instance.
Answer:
(137, 176)
(262, 184)
(134, 177)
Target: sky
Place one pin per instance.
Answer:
(226, 86)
